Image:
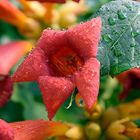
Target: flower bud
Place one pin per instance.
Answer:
(116, 130)
(76, 132)
(94, 113)
(109, 116)
(93, 131)
(31, 29)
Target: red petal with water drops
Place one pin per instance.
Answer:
(6, 131)
(6, 87)
(80, 41)
(11, 53)
(34, 65)
(38, 129)
(51, 41)
(85, 37)
(88, 80)
(55, 91)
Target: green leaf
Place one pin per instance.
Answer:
(119, 48)
(13, 111)
(137, 122)
(25, 94)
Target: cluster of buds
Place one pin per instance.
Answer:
(34, 16)
(115, 123)
(119, 121)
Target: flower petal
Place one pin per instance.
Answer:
(6, 131)
(87, 81)
(135, 71)
(85, 37)
(11, 53)
(55, 92)
(6, 87)
(51, 41)
(11, 14)
(33, 66)
(38, 129)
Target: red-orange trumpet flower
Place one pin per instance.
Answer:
(9, 55)
(130, 80)
(63, 60)
(31, 130)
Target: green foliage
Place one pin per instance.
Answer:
(137, 122)
(119, 48)
(13, 111)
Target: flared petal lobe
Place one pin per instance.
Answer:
(6, 131)
(84, 38)
(11, 53)
(51, 41)
(88, 81)
(6, 88)
(35, 65)
(55, 91)
(38, 129)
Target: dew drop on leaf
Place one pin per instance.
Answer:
(111, 21)
(121, 15)
(107, 38)
(117, 52)
(133, 44)
(135, 34)
(115, 32)
(128, 6)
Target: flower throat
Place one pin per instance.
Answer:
(65, 61)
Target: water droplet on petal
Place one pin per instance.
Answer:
(111, 21)
(121, 15)
(93, 74)
(79, 68)
(26, 73)
(47, 60)
(69, 76)
(79, 101)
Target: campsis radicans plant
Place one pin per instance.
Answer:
(63, 60)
